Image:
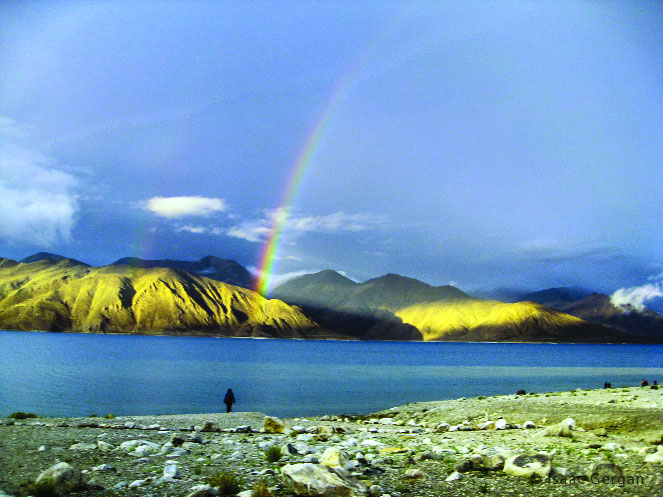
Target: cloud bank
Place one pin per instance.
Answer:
(178, 207)
(37, 196)
(258, 230)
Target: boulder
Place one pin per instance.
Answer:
(656, 457)
(315, 480)
(490, 460)
(274, 425)
(334, 458)
(602, 469)
(63, 478)
(210, 427)
(563, 429)
(528, 465)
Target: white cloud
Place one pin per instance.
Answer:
(193, 229)
(177, 207)
(279, 279)
(38, 202)
(258, 230)
(637, 296)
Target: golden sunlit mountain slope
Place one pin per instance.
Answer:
(489, 320)
(67, 296)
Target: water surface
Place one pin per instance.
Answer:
(81, 374)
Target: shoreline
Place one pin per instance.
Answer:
(643, 341)
(430, 440)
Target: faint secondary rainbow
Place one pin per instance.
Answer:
(268, 257)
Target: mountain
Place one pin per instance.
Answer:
(43, 256)
(67, 296)
(225, 270)
(397, 307)
(599, 309)
(556, 297)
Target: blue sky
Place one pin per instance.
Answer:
(487, 144)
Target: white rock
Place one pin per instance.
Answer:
(83, 446)
(500, 424)
(526, 465)
(274, 425)
(318, 480)
(137, 483)
(371, 442)
(103, 467)
(42, 448)
(612, 446)
(528, 425)
(454, 476)
(656, 457)
(104, 446)
(171, 471)
(335, 458)
(563, 429)
(245, 493)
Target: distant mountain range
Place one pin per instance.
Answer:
(210, 296)
(398, 307)
(598, 308)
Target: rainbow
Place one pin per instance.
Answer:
(304, 158)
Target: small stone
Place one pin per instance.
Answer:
(171, 471)
(375, 490)
(103, 467)
(454, 476)
(129, 425)
(104, 446)
(501, 424)
(203, 491)
(42, 448)
(528, 425)
(83, 446)
(612, 446)
(137, 483)
(414, 473)
(442, 427)
(120, 485)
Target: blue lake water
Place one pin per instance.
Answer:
(78, 374)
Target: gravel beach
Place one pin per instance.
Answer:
(583, 442)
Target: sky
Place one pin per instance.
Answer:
(488, 145)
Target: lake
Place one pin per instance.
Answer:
(70, 374)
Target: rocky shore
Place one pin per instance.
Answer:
(583, 442)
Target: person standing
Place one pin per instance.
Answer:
(229, 400)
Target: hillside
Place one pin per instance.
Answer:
(397, 307)
(66, 296)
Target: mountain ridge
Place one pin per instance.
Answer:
(64, 296)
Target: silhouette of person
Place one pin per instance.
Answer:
(229, 400)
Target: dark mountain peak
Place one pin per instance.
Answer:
(47, 256)
(556, 295)
(326, 277)
(225, 270)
